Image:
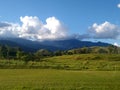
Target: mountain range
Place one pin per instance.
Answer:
(53, 45)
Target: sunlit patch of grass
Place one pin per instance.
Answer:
(101, 62)
(48, 79)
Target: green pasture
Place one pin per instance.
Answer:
(49, 79)
(90, 62)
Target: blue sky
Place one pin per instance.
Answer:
(78, 16)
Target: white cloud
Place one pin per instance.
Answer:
(118, 5)
(55, 28)
(116, 44)
(8, 29)
(105, 30)
(4, 24)
(32, 28)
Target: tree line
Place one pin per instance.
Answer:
(8, 53)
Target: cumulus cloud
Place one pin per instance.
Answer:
(8, 29)
(105, 30)
(32, 28)
(116, 44)
(4, 24)
(118, 5)
(55, 28)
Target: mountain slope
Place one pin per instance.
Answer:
(73, 43)
(26, 45)
(31, 46)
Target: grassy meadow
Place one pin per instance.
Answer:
(67, 72)
(49, 79)
(91, 62)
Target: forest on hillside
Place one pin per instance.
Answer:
(10, 53)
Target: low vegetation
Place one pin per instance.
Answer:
(87, 68)
(10, 53)
(93, 62)
(47, 79)
(86, 58)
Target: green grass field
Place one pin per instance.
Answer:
(67, 72)
(49, 79)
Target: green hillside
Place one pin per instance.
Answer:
(107, 62)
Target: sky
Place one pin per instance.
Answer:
(94, 20)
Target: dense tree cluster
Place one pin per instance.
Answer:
(96, 50)
(7, 52)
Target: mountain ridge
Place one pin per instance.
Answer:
(52, 45)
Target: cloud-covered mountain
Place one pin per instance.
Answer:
(25, 45)
(53, 30)
(53, 45)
